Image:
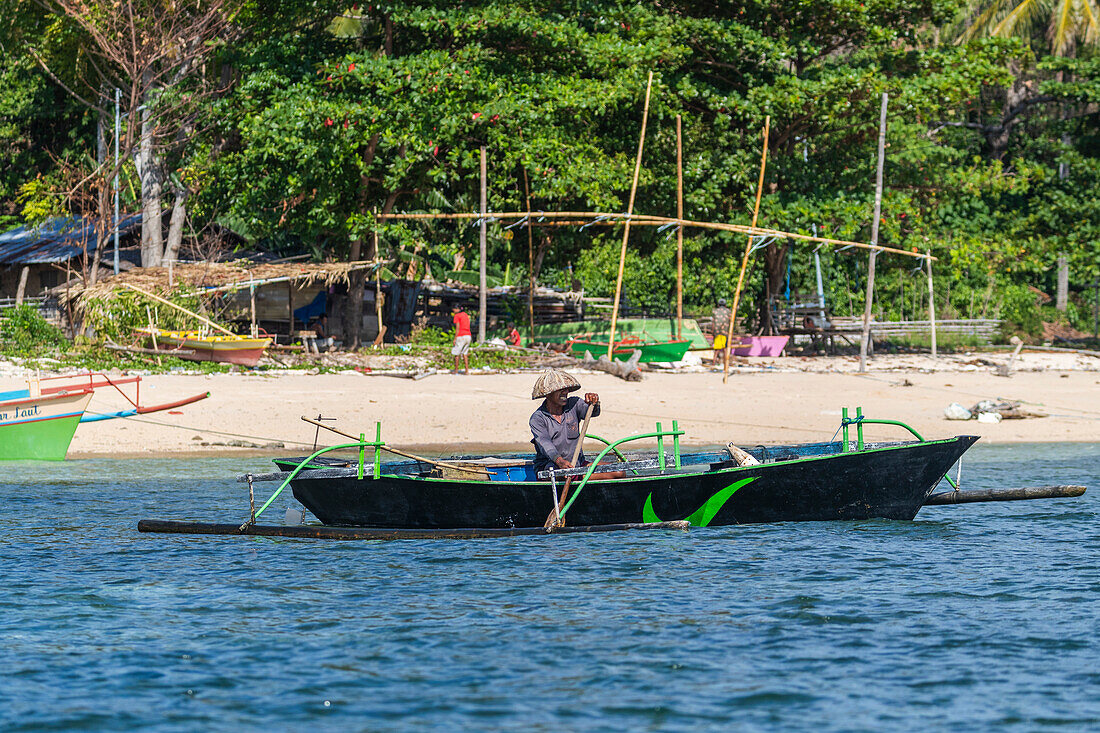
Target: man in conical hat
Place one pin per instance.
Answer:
(556, 424)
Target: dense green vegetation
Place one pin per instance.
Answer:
(27, 337)
(309, 117)
(25, 333)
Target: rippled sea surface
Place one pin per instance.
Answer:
(973, 617)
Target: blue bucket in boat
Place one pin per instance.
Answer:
(526, 472)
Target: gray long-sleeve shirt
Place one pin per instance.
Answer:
(553, 439)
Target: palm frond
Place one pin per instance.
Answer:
(1062, 29)
(1020, 20)
(985, 20)
(1090, 16)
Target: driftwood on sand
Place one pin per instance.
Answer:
(1007, 409)
(627, 370)
(1005, 370)
(154, 352)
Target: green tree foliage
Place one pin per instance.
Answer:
(25, 333)
(340, 110)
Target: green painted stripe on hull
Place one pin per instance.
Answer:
(42, 440)
(700, 517)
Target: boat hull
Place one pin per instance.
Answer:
(243, 357)
(651, 351)
(41, 428)
(890, 482)
(760, 346)
(243, 350)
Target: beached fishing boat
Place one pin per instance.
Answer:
(38, 423)
(206, 346)
(36, 426)
(670, 350)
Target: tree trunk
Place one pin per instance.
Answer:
(540, 253)
(775, 261)
(102, 237)
(152, 241)
(997, 139)
(21, 291)
(103, 213)
(353, 308)
(175, 224)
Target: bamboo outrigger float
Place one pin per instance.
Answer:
(491, 496)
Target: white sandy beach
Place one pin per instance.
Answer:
(765, 401)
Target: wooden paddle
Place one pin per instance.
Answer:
(554, 519)
(441, 464)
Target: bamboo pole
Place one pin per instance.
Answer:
(603, 218)
(530, 264)
(253, 328)
(629, 211)
(748, 250)
(378, 291)
(290, 311)
(865, 339)
(207, 321)
(679, 231)
(931, 303)
(482, 289)
(405, 454)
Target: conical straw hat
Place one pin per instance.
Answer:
(551, 381)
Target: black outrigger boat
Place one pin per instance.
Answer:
(839, 479)
(810, 482)
(493, 496)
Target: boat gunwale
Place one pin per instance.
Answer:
(666, 476)
(45, 397)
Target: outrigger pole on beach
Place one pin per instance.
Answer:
(605, 218)
(748, 251)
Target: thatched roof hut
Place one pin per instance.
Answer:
(216, 277)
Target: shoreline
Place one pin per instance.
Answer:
(766, 401)
(435, 452)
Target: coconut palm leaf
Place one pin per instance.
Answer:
(1066, 22)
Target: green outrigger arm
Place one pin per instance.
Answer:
(859, 421)
(361, 446)
(660, 435)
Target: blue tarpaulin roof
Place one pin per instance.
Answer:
(55, 240)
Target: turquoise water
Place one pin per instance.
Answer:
(976, 617)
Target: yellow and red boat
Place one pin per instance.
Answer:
(206, 346)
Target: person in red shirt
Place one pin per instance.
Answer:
(463, 337)
(513, 335)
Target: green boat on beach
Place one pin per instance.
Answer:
(39, 426)
(656, 338)
(652, 351)
(38, 423)
(646, 329)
